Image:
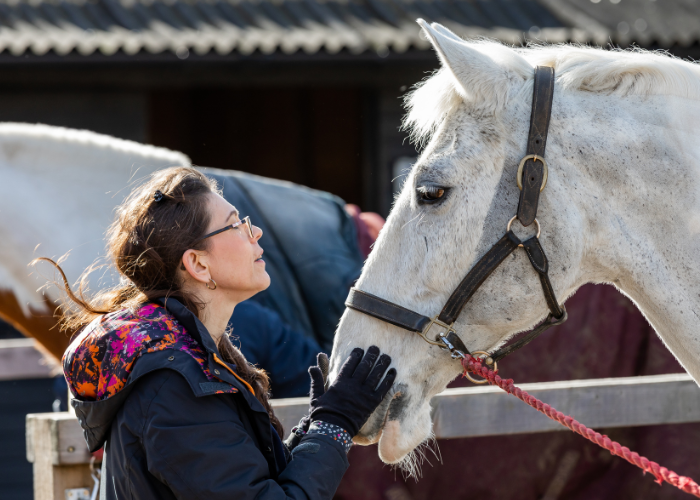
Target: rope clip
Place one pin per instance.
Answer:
(455, 353)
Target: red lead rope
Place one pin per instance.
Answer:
(660, 473)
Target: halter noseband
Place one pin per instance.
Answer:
(531, 178)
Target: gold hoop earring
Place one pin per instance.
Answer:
(207, 284)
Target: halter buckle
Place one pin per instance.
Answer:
(519, 175)
(441, 324)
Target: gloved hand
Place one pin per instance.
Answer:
(354, 394)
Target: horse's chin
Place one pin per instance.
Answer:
(403, 430)
(393, 448)
(395, 445)
(396, 434)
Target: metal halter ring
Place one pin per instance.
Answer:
(510, 223)
(486, 360)
(519, 176)
(435, 321)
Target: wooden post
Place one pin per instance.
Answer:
(56, 447)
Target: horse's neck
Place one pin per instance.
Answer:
(632, 170)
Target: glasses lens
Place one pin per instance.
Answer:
(250, 226)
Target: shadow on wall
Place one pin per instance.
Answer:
(120, 114)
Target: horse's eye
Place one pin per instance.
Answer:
(430, 194)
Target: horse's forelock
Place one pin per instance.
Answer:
(429, 104)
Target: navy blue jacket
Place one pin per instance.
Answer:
(186, 427)
(267, 342)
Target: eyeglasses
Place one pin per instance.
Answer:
(244, 220)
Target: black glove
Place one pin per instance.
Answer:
(297, 433)
(354, 394)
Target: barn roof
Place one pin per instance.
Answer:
(243, 26)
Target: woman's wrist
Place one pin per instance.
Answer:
(335, 431)
(333, 416)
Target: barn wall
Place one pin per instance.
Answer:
(311, 136)
(118, 113)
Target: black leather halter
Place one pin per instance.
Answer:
(531, 179)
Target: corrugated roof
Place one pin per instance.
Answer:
(644, 22)
(244, 26)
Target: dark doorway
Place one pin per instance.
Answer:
(311, 136)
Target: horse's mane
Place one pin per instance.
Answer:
(613, 72)
(48, 137)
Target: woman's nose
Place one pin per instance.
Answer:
(257, 233)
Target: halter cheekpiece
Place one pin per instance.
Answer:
(531, 179)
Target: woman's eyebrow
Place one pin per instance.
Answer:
(233, 212)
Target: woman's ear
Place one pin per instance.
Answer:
(196, 265)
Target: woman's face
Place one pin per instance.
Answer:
(235, 259)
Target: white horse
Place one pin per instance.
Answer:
(58, 191)
(621, 206)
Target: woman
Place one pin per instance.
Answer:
(156, 380)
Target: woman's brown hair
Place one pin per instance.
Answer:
(154, 227)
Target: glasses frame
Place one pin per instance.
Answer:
(244, 220)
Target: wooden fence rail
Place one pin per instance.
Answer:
(56, 447)
(23, 359)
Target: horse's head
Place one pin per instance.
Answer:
(455, 204)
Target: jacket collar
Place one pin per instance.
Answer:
(199, 332)
(186, 318)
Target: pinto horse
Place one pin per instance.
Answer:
(622, 206)
(58, 193)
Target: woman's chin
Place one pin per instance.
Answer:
(264, 281)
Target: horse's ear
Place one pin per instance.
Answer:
(484, 72)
